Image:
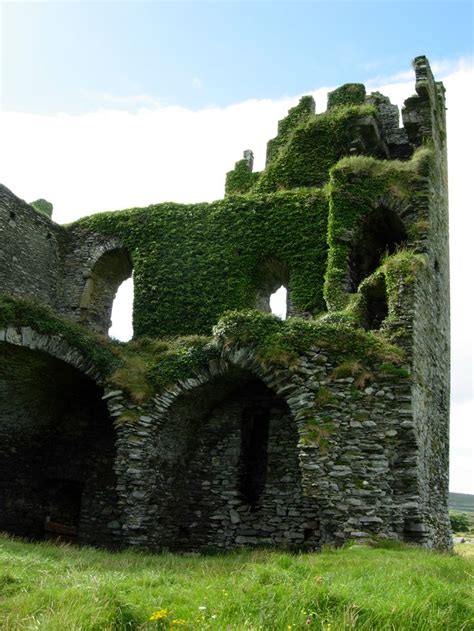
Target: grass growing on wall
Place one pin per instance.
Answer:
(99, 350)
(149, 365)
(387, 588)
(358, 186)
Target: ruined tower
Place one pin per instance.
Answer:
(220, 424)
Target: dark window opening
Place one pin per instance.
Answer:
(254, 453)
(376, 304)
(308, 533)
(381, 233)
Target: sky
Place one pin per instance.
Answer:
(108, 105)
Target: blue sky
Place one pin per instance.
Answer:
(75, 56)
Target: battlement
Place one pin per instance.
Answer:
(219, 424)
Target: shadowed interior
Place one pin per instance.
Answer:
(57, 447)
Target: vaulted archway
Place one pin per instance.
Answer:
(227, 470)
(57, 449)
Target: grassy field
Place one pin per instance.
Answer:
(462, 503)
(65, 588)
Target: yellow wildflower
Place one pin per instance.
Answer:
(161, 614)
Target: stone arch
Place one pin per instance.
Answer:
(110, 265)
(226, 461)
(381, 231)
(54, 345)
(57, 443)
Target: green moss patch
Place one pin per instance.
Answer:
(101, 352)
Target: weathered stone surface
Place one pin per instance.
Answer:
(241, 453)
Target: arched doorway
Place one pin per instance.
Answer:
(57, 450)
(228, 470)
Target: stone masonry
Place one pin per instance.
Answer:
(243, 452)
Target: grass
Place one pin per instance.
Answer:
(390, 587)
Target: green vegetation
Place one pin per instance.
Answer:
(146, 365)
(386, 587)
(347, 94)
(360, 186)
(192, 263)
(43, 206)
(102, 353)
(240, 179)
(280, 342)
(461, 502)
(306, 155)
(460, 522)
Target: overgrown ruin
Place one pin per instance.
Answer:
(220, 424)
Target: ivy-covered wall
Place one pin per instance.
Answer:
(191, 263)
(350, 214)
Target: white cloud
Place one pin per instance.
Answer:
(108, 100)
(111, 159)
(197, 83)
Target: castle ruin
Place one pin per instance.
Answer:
(220, 424)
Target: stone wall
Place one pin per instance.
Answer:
(30, 250)
(329, 447)
(431, 323)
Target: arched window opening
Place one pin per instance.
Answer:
(273, 295)
(108, 273)
(381, 232)
(279, 302)
(376, 304)
(122, 312)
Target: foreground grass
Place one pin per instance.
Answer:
(63, 588)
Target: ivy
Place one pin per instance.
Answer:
(358, 185)
(306, 155)
(192, 263)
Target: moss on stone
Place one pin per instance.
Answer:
(358, 185)
(347, 94)
(100, 351)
